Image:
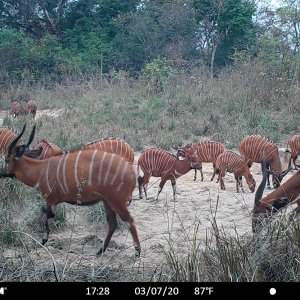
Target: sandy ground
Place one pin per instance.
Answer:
(49, 112)
(161, 225)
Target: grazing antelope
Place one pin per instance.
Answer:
(16, 109)
(113, 145)
(7, 135)
(81, 177)
(231, 162)
(294, 144)
(159, 163)
(207, 151)
(288, 192)
(31, 108)
(254, 147)
(47, 148)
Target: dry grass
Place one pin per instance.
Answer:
(247, 100)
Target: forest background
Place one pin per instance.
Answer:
(154, 73)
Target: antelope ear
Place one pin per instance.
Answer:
(180, 153)
(20, 150)
(188, 146)
(34, 153)
(175, 147)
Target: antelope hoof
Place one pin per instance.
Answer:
(100, 252)
(137, 252)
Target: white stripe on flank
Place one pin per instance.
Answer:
(64, 173)
(75, 168)
(58, 173)
(120, 145)
(47, 175)
(120, 186)
(101, 165)
(124, 171)
(8, 138)
(117, 171)
(45, 152)
(103, 146)
(91, 168)
(109, 167)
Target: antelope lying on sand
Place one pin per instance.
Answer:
(288, 192)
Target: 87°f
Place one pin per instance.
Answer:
(203, 290)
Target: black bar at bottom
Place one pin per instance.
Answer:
(139, 289)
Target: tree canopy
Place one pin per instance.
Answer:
(57, 36)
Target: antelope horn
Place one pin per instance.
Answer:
(31, 136)
(14, 142)
(260, 189)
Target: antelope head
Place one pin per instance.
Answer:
(189, 153)
(15, 152)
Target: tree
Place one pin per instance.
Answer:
(35, 17)
(224, 26)
(159, 28)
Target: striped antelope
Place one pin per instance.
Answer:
(16, 109)
(254, 148)
(229, 161)
(47, 148)
(294, 144)
(7, 135)
(207, 151)
(31, 108)
(159, 163)
(287, 193)
(111, 145)
(81, 177)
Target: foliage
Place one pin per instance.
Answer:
(225, 26)
(270, 256)
(156, 74)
